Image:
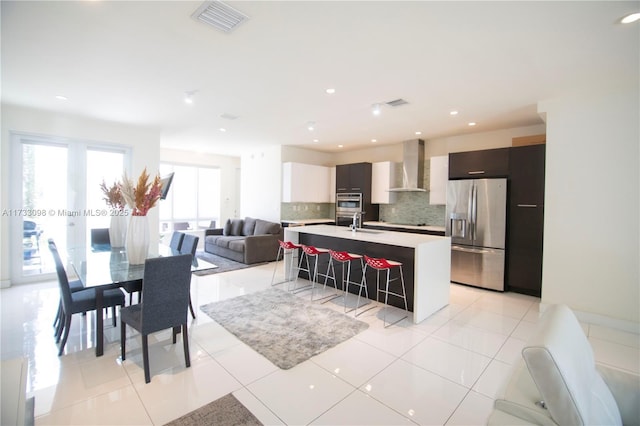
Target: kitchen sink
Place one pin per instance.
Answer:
(366, 231)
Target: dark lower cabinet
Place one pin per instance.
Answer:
(405, 255)
(524, 253)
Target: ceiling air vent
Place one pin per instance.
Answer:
(397, 102)
(219, 15)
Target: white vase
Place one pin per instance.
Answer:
(137, 240)
(118, 231)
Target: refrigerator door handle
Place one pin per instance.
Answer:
(470, 211)
(474, 210)
(470, 250)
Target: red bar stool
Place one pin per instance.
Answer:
(387, 265)
(307, 253)
(286, 248)
(347, 258)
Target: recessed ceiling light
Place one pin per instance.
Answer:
(62, 98)
(340, 146)
(453, 113)
(374, 140)
(316, 141)
(633, 17)
(418, 133)
(375, 109)
(311, 126)
(188, 96)
(330, 91)
(222, 129)
(472, 123)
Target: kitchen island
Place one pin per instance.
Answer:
(426, 261)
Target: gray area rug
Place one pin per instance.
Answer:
(226, 411)
(223, 264)
(282, 327)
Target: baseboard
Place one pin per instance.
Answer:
(5, 283)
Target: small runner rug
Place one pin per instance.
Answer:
(282, 327)
(226, 411)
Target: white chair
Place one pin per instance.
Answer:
(558, 382)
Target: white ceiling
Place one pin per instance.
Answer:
(132, 62)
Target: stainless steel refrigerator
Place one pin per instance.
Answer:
(476, 222)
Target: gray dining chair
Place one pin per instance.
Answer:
(74, 286)
(80, 301)
(165, 297)
(176, 240)
(100, 240)
(189, 246)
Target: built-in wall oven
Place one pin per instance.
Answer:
(348, 203)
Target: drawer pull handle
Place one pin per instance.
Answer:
(528, 205)
(476, 172)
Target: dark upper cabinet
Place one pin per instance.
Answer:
(488, 163)
(354, 178)
(527, 174)
(526, 219)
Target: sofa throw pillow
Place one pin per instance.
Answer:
(264, 227)
(236, 227)
(227, 228)
(249, 226)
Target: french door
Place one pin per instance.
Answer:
(55, 193)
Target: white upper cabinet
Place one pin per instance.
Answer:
(306, 183)
(438, 177)
(332, 184)
(382, 179)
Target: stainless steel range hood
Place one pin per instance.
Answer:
(412, 167)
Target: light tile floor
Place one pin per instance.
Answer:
(445, 370)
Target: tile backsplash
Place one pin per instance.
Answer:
(410, 208)
(299, 211)
(413, 208)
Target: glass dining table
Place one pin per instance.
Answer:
(103, 270)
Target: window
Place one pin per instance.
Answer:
(193, 200)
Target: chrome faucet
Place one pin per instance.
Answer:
(354, 225)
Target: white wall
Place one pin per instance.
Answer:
(261, 182)
(144, 143)
(296, 154)
(480, 140)
(228, 165)
(591, 246)
(393, 152)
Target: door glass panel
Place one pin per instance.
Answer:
(44, 202)
(101, 165)
(208, 195)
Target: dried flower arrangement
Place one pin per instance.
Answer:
(113, 195)
(142, 197)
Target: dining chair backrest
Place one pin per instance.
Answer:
(176, 240)
(63, 280)
(189, 244)
(100, 238)
(165, 292)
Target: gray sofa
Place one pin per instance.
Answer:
(245, 240)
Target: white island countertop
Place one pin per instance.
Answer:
(432, 228)
(402, 239)
(431, 259)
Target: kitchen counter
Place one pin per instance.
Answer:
(431, 229)
(426, 259)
